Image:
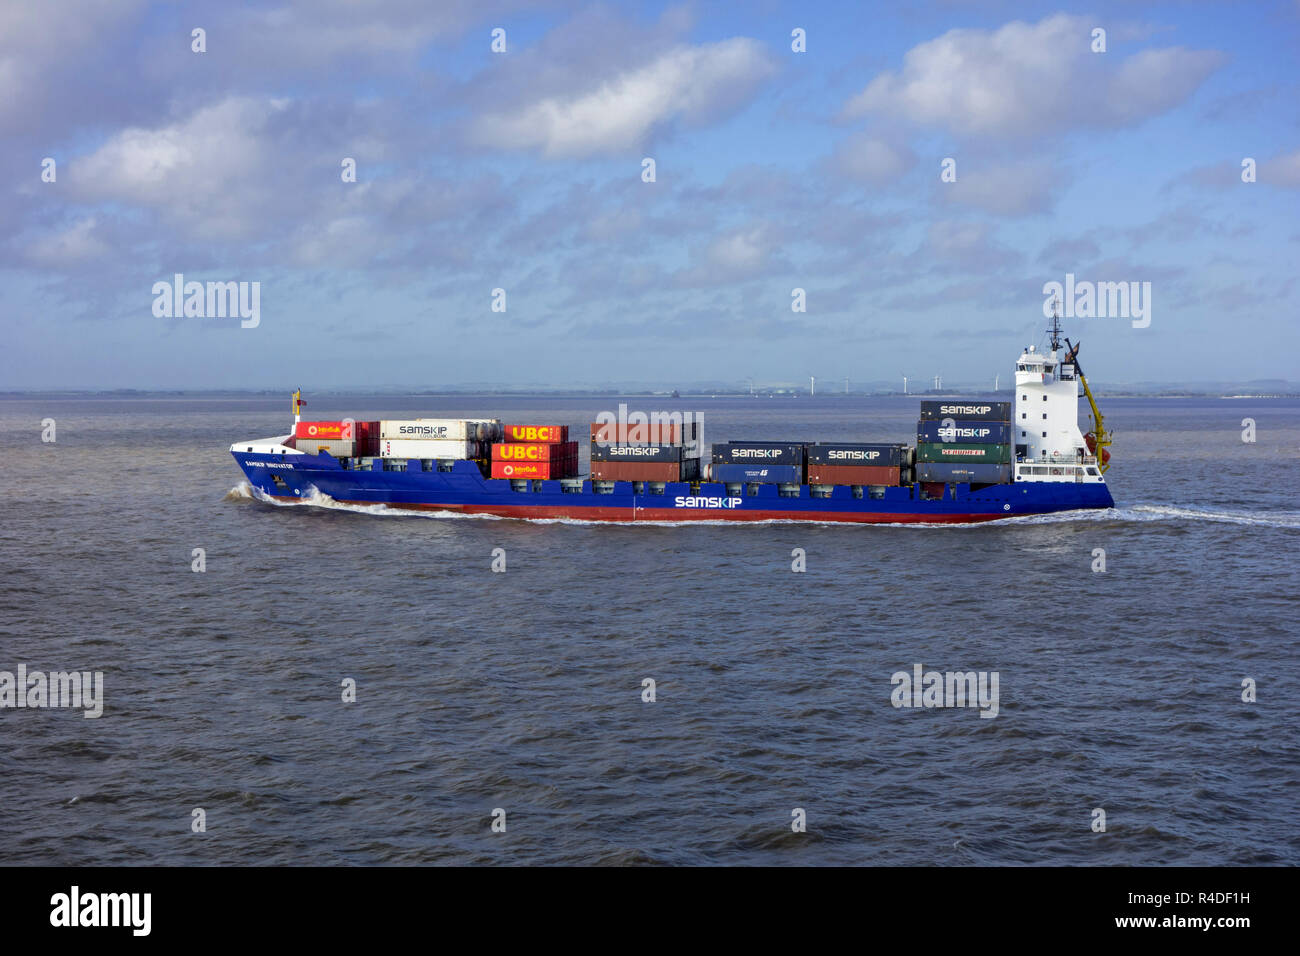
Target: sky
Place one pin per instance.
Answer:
(920, 171)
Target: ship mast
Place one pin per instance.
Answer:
(1055, 330)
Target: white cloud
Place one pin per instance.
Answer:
(199, 155)
(694, 84)
(871, 159)
(1153, 81)
(213, 166)
(1018, 189)
(733, 256)
(77, 243)
(343, 242)
(954, 245)
(1030, 79)
(44, 46)
(742, 252)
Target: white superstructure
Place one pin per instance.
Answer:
(1045, 421)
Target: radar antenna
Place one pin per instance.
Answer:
(1055, 330)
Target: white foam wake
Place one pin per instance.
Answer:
(1141, 513)
(318, 499)
(1267, 519)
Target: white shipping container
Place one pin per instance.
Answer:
(424, 448)
(333, 446)
(441, 429)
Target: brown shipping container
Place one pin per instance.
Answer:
(535, 451)
(853, 475)
(638, 471)
(643, 434)
(547, 434)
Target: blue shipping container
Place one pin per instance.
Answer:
(978, 433)
(971, 411)
(758, 453)
(855, 453)
(764, 474)
(950, 472)
(626, 452)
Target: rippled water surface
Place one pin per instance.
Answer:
(522, 691)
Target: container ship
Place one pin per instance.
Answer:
(972, 461)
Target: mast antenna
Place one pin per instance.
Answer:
(1055, 330)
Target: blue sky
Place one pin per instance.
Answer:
(522, 170)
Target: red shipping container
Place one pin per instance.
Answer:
(330, 431)
(367, 439)
(853, 475)
(515, 451)
(548, 434)
(647, 434)
(528, 469)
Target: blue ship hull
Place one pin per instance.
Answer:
(463, 489)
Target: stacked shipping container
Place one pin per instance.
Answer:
(758, 462)
(964, 441)
(329, 438)
(429, 438)
(629, 462)
(858, 464)
(644, 452)
(442, 429)
(429, 448)
(844, 463)
(535, 451)
(342, 439)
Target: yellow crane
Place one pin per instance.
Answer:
(1098, 438)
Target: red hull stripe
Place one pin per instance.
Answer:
(677, 514)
